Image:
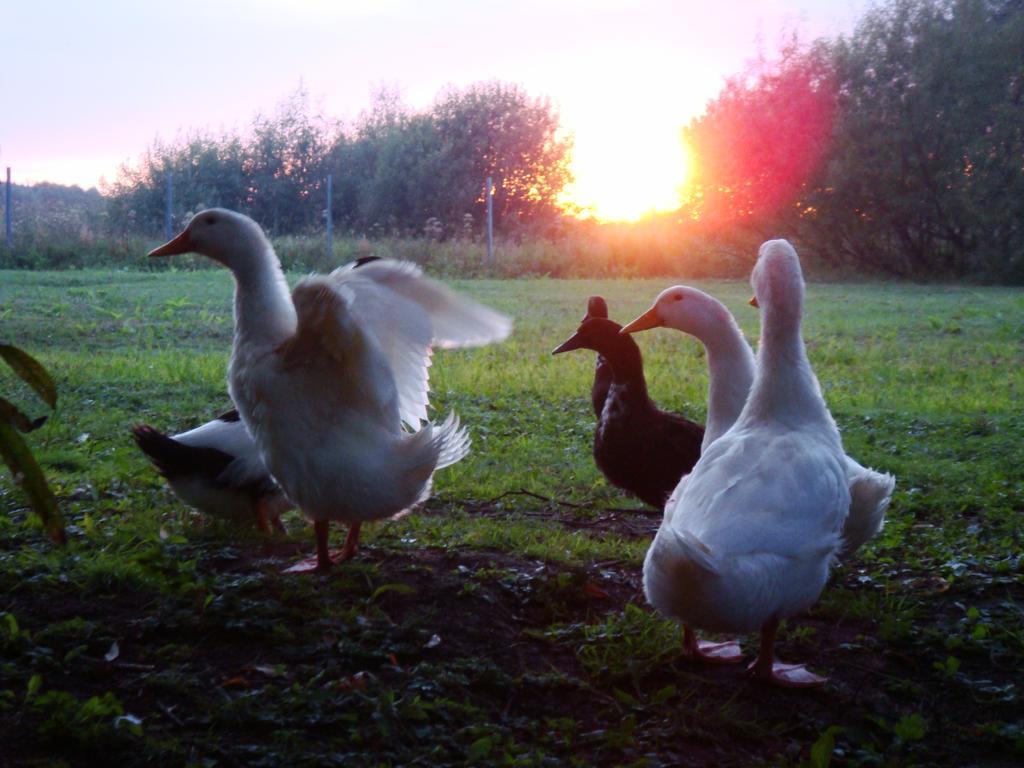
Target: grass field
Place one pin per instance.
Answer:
(504, 624)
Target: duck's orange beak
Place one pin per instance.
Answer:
(179, 244)
(753, 302)
(648, 319)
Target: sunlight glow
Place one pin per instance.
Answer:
(624, 173)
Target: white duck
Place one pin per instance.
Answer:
(730, 374)
(731, 369)
(216, 468)
(325, 376)
(752, 531)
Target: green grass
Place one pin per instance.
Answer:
(223, 661)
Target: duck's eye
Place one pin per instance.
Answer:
(210, 220)
(678, 297)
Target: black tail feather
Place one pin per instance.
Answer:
(173, 459)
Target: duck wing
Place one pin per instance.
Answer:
(455, 321)
(336, 358)
(781, 494)
(870, 494)
(680, 436)
(408, 314)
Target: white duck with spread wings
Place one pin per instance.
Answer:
(326, 376)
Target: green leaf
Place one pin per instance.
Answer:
(664, 694)
(34, 684)
(32, 373)
(30, 477)
(12, 626)
(950, 667)
(480, 748)
(624, 697)
(13, 416)
(402, 589)
(822, 749)
(911, 727)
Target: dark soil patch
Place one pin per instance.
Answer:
(476, 657)
(627, 522)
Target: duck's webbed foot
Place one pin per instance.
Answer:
(323, 560)
(785, 675)
(766, 668)
(707, 652)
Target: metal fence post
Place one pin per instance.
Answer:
(330, 221)
(8, 220)
(490, 221)
(168, 232)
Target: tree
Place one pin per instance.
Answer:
(284, 165)
(273, 174)
(207, 171)
(495, 129)
(400, 169)
(392, 171)
(925, 175)
(761, 141)
(896, 150)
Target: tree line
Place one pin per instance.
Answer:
(395, 171)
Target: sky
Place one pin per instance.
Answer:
(85, 87)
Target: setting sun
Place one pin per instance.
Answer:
(625, 173)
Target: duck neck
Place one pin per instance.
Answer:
(264, 313)
(602, 382)
(627, 370)
(785, 388)
(730, 376)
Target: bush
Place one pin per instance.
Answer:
(582, 250)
